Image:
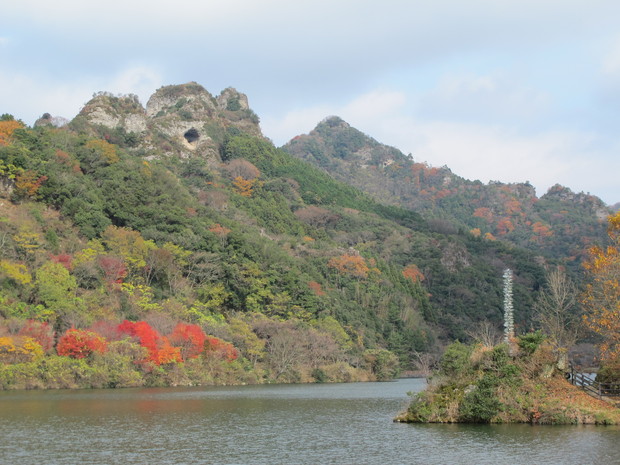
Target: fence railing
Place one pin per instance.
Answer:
(593, 387)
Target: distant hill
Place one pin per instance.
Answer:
(560, 224)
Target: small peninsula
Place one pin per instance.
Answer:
(481, 384)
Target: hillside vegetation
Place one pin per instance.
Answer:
(560, 224)
(174, 244)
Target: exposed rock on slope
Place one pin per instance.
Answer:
(184, 120)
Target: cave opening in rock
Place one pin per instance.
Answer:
(192, 135)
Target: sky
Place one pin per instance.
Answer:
(506, 90)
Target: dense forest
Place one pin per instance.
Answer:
(175, 245)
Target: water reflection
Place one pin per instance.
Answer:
(297, 424)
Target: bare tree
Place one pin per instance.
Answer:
(424, 362)
(485, 333)
(556, 312)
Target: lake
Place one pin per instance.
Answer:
(275, 424)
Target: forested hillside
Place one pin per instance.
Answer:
(560, 224)
(174, 244)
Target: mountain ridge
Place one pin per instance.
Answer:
(495, 210)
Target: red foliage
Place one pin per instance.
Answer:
(113, 268)
(190, 339)
(79, 343)
(41, 332)
(64, 259)
(220, 349)
(159, 348)
(106, 329)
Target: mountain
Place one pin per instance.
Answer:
(560, 224)
(182, 213)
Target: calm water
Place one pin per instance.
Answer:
(288, 424)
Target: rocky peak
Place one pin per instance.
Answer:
(111, 111)
(232, 100)
(564, 194)
(178, 119)
(190, 101)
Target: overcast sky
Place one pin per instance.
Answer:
(505, 90)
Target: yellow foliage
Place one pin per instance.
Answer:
(28, 241)
(245, 187)
(129, 245)
(105, 149)
(19, 349)
(92, 250)
(15, 271)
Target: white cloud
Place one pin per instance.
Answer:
(488, 152)
(28, 98)
(483, 97)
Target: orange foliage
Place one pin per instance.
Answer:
(504, 226)
(28, 183)
(6, 130)
(484, 212)
(512, 207)
(244, 187)
(541, 230)
(601, 299)
(219, 230)
(316, 288)
(160, 351)
(413, 273)
(475, 232)
(354, 265)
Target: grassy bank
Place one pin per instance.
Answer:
(478, 384)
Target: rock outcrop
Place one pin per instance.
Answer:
(184, 120)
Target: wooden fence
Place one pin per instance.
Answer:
(593, 387)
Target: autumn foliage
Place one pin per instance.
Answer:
(190, 339)
(220, 349)
(413, 273)
(79, 343)
(350, 264)
(18, 349)
(41, 332)
(601, 299)
(6, 130)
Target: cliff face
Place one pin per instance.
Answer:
(183, 120)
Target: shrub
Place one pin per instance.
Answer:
(531, 341)
(78, 343)
(456, 360)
